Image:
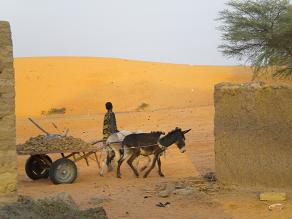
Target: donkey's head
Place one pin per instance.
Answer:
(179, 137)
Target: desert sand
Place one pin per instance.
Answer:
(176, 96)
(83, 85)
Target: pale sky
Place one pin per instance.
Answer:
(173, 31)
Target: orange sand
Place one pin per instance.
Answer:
(83, 85)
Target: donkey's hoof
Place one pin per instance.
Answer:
(161, 174)
(145, 176)
(100, 174)
(119, 176)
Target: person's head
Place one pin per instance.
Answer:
(109, 106)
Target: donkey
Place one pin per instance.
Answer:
(147, 144)
(113, 148)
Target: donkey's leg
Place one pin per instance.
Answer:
(159, 166)
(120, 161)
(104, 165)
(101, 171)
(130, 162)
(137, 161)
(116, 158)
(146, 165)
(152, 166)
(109, 159)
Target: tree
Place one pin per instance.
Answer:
(259, 32)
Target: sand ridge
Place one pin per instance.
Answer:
(83, 85)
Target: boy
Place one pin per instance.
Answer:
(109, 122)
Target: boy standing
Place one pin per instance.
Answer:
(109, 122)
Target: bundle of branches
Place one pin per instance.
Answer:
(43, 143)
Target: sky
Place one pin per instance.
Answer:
(171, 31)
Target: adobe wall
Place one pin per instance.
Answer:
(253, 134)
(8, 171)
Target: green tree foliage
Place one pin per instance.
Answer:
(259, 32)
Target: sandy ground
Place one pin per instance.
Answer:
(178, 96)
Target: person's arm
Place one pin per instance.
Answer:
(105, 130)
(113, 123)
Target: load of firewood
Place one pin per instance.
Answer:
(53, 142)
(44, 143)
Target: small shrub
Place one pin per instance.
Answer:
(142, 106)
(54, 111)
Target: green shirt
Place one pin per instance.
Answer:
(109, 124)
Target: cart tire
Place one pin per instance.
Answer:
(49, 163)
(63, 171)
(37, 166)
(49, 159)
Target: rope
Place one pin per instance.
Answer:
(144, 146)
(162, 147)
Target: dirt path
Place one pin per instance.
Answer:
(132, 197)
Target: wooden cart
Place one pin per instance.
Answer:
(63, 170)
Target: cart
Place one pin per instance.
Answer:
(40, 165)
(62, 170)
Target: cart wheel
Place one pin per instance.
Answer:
(63, 171)
(37, 166)
(49, 160)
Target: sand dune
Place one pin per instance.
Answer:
(83, 85)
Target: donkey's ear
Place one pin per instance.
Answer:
(186, 131)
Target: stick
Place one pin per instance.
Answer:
(66, 133)
(85, 157)
(56, 127)
(38, 126)
(95, 142)
(97, 160)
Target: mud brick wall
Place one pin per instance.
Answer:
(253, 134)
(8, 171)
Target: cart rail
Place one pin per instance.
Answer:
(25, 152)
(96, 146)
